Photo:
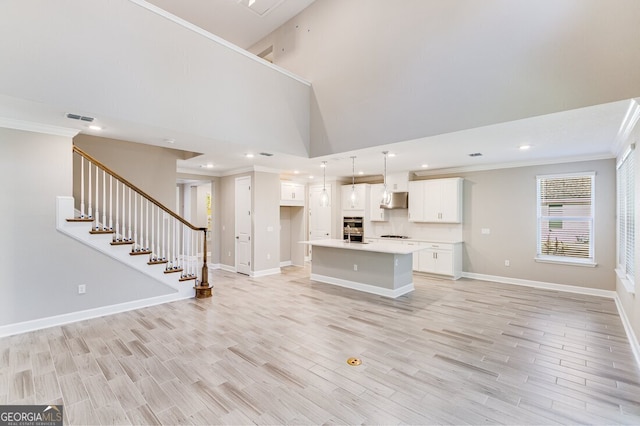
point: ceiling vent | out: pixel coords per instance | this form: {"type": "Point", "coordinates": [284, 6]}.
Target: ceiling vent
{"type": "Point", "coordinates": [80, 117]}
{"type": "Point", "coordinates": [475, 154]}
{"type": "Point", "coordinates": [261, 7]}
{"type": "Point", "coordinates": [266, 154]}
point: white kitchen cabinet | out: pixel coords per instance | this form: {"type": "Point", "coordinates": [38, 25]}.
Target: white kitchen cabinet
{"type": "Point", "coordinates": [376, 214]}
{"type": "Point", "coordinates": [436, 200]}
{"type": "Point", "coordinates": [441, 259]}
{"type": "Point", "coordinates": [416, 201]}
{"type": "Point", "coordinates": [362, 199]}
{"type": "Point", "coordinates": [291, 194]}
{"type": "Point", "coordinates": [416, 254]}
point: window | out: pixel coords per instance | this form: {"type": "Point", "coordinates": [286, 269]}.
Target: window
{"type": "Point", "coordinates": [565, 218]}
{"type": "Point", "coordinates": [625, 179]}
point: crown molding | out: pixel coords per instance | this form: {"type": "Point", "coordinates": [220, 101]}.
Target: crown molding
{"type": "Point", "coordinates": [497, 166]}
{"type": "Point", "coordinates": [29, 126]}
{"type": "Point", "coordinates": [626, 127]}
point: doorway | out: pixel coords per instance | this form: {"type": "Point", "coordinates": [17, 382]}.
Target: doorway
{"type": "Point", "coordinates": [243, 222]}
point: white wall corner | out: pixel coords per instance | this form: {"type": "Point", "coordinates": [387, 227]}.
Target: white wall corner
{"type": "Point", "coordinates": [631, 336]}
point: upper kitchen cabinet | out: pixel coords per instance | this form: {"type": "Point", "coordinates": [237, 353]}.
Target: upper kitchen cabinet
{"type": "Point", "coordinates": [376, 214]}
{"type": "Point", "coordinates": [291, 194]}
{"type": "Point", "coordinates": [361, 201]}
{"type": "Point", "coordinates": [436, 200]}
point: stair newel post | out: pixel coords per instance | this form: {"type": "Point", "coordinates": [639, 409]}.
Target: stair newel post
{"type": "Point", "coordinates": [204, 290]}
{"type": "Point", "coordinates": [82, 187]}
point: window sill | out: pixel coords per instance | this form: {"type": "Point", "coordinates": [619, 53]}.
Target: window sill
{"type": "Point", "coordinates": [628, 285]}
{"type": "Point", "coordinates": [559, 261]}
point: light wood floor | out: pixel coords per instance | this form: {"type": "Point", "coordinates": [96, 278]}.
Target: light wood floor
{"type": "Point", "coordinates": [273, 350]}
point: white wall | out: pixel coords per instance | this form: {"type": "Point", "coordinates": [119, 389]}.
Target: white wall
{"type": "Point", "coordinates": [41, 268]}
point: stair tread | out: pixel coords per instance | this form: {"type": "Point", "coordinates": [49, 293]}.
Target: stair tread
{"type": "Point", "coordinates": [157, 262]}
{"type": "Point", "coordinates": [120, 243]}
{"type": "Point", "coordinates": [138, 253]}
{"type": "Point", "coordinates": [101, 231]}
{"type": "Point", "coordinates": [80, 219]}
{"type": "Point", "coordinates": [171, 271]}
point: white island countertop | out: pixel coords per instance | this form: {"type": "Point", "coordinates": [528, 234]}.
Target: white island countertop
{"type": "Point", "coordinates": [377, 247]}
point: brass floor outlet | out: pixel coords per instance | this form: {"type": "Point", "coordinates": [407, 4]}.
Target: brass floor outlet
{"type": "Point", "coordinates": [354, 361]}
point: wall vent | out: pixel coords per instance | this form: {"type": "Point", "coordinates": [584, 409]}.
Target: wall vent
{"type": "Point", "coordinates": [80, 117]}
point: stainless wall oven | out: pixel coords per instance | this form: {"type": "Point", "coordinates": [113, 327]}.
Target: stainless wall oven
{"type": "Point", "coordinates": [353, 228]}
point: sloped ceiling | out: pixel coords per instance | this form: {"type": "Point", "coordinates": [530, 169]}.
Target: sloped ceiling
{"type": "Point", "coordinates": [431, 80]}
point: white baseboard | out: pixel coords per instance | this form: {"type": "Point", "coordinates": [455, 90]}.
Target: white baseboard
{"type": "Point", "coordinates": [367, 288]}
{"type": "Point", "coordinates": [285, 263]}
{"type": "Point", "coordinates": [227, 268]}
{"type": "Point", "coordinates": [265, 272]}
{"type": "Point", "coordinates": [38, 324]}
{"type": "Point", "coordinates": [610, 294]}
{"type": "Point", "coordinates": [631, 336]}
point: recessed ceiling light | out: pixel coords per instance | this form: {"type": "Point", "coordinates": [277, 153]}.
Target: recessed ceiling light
{"type": "Point", "coordinates": [248, 155]}
{"type": "Point", "coordinates": [310, 176]}
{"type": "Point", "coordinates": [295, 172]}
{"type": "Point", "coordinates": [391, 154]}
{"type": "Point", "coordinates": [524, 147]}
{"type": "Point", "coordinates": [424, 166]}
{"type": "Point", "coordinates": [94, 127]}
{"type": "Point", "coordinates": [323, 165]}
{"type": "Point", "coordinates": [360, 172]}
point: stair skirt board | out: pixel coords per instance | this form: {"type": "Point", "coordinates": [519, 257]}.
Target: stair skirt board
{"type": "Point", "coordinates": [121, 253]}
{"type": "Point", "coordinates": [38, 324]}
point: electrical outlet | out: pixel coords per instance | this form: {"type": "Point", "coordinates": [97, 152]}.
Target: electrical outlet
{"type": "Point", "coordinates": [229, 254]}
{"type": "Point", "coordinates": [485, 231]}
{"type": "Point", "coordinates": [82, 289]}
{"type": "Point", "coordinates": [507, 263]}
{"type": "Point", "coordinates": [355, 267]}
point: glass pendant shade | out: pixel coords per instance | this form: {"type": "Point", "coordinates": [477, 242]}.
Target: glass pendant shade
{"type": "Point", "coordinates": [324, 196]}
{"type": "Point", "coordinates": [386, 195]}
{"type": "Point", "coordinates": [353, 198]}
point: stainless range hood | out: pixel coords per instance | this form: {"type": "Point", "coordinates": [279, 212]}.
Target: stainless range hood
{"type": "Point", "coordinates": [399, 200]}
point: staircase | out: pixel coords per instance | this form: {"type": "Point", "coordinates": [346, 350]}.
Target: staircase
{"type": "Point", "coordinates": [119, 219]}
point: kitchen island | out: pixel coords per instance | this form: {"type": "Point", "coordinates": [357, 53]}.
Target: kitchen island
{"type": "Point", "coordinates": [379, 268]}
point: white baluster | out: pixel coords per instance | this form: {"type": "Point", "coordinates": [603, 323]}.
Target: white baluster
{"type": "Point", "coordinates": [129, 221]}
{"type": "Point", "coordinates": [123, 229]}
{"type": "Point", "coordinates": [153, 240]}
{"type": "Point", "coordinates": [104, 200]}
{"type": "Point", "coordinates": [114, 237]}
{"type": "Point", "coordinates": [81, 187]}
{"type": "Point", "coordinates": [137, 237]}
{"type": "Point", "coordinates": [97, 212]}
{"type": "Point", "coordinates": [146, 224]}
{"type": "Point", "coordinates": [90, 206]}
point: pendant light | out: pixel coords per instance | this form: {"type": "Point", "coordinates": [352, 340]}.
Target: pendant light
{"type": "Point", "coordinates": [386, 195]}
{"type": "Point", "coordinates": [353, 198]}
{"type": "Point", "coordinates": [324, 197]}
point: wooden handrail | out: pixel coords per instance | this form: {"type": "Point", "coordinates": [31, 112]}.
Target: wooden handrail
{"type": "Point", "coordinates": [203, 290]}
{"type": "Point", "coordinates": [135, 188]}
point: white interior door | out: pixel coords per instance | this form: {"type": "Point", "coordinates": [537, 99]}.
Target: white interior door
{"type": "Point", "coordinates": [319, 216]}
{"type": "Point", "coordinates": [243, 224]}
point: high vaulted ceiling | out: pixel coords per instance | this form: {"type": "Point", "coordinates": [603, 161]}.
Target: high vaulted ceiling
{"type": "Point", "coordinates": [429, 80]}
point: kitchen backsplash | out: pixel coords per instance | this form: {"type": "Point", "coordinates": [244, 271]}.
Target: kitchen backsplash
{"type": "Point", "coordinates": [398, 224]}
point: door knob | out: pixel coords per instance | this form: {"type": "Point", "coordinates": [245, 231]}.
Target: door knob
{"type": "Point", "coordinates": [237, 238]}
